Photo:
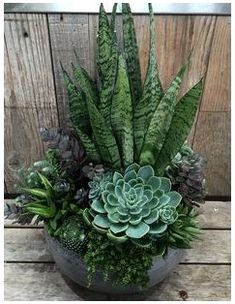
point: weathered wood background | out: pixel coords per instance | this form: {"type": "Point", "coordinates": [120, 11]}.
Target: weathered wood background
{"type": "Point", "coordinates": [35, 94]}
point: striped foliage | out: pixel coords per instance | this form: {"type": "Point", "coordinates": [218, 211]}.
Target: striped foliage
{"type": "Point", "coordinates": [180, 127]}
{"type": "Point", "coordinates": [131, 53]}
{"type": "Point", "coordinates": [104, 137]}
{"type": "Point", "coordinates": [89, 146]}
{"type": "Point", "coordinates": [85, 83]}
{"type": "Point", "coordinates": [160, 122]}
{"type": "Point", "coordinates": [107, 64]}
{"type": "Point", "coordinates": [152, 92]}
{"type": "Point", "coordinates": [121, 114]}
{"type": "Point", "coordinates": [112, 21]}
{"type": "Point", "coordinates": [77, 105]}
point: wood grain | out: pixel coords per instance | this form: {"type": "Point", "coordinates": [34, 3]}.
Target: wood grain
{"type": "Point", "coordinates": [28, 90]}
{"type": "Point", "coordinates": [212, 140]}
{"type": "Point", "coordinates": [28, 245]}
{"type": "Point", "coordinates": [68, 32]}
{"type": "Point", "coordinates": [44, 282]}
{"type": "Point", "coordinates": [217, 94]}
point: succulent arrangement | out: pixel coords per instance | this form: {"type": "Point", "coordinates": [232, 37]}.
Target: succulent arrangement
{"type": "Point", "coordinates": [123, 180]}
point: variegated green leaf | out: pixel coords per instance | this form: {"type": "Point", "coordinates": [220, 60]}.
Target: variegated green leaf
{"type": "Point", "coordinates": [84, 81]}
{"type": "Point", "coordinates": [77, 105]}
{"type": "Point", "coordinates": [121, 114]}
{"type": "Point", "coordinates": [106, 63]}
{"type": "Point", "coordinates": [160, 122]}
{"type": "Point", "coordinates": [89, 146]}
{"type": "Point", "coordinates": [112, 20]}
{"type": "Point", "coordinates": [131, 53]}
{"type": "Point", "coordinates": [104, 138]}
{"type": "Point", "coordinates": [181, 124]}
{"type": "Point", "coordinates": [152, 92]}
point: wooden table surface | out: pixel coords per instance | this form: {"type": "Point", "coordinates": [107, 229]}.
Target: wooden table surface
{"type": "Point", "coordinates": [203, 274]}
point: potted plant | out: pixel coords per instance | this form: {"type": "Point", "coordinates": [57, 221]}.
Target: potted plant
{"type": "Point", "coordinates": [117, 193]}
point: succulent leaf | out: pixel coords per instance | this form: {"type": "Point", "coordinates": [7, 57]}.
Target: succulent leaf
{"type": "Point", "coordinates": [138, 205]}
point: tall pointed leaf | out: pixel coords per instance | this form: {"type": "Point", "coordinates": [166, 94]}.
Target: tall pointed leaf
{"type": "Point", "coordinates": [180, 127]}
{"type": "Point", "coordinates": [121, 114]}
{"type": "Point", "coordinates": [131, 53]}
{"type": "Point", "coordinates": [84, 81]}
{"type": "Point", "coordinates": [104, 138]}
{"type": "Point", "coordinates": [160, 122]}
{"type": "Point", "coordinates": [88, 145]}
{"type": "Point", "coordinates": [152, 92]}
{"type": "Point", "coordinates": [106, 63]}
{"type": "Point", "coordinates": [77, 105]}
{"type": "Point", "coordinates": [113, 19]}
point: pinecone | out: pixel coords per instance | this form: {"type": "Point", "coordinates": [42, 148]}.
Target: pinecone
{"type": "Point", "coordinates": [187, 177]}
{"type": "Point", "coordinates": [70, 150]}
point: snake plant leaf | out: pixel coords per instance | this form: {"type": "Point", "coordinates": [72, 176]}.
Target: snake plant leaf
{"type": "Point", "coordinates": [121, 114]}
{"type": "Point", "coordinates": [131, 53]}
{"type": "Point", "coordinates": [104, 137]}
{"type": "Point", "coordinates": [89, 146]}
{"type": "Point", "coordinates": [152, 91]}
{"type": "Point", "coordinates": [160, 122]}
{"type": "Point", "coordinates": [44, 211]}
{"type": "Point", "coordinates": [180, 127]}
{"type": "Point", "coordinates": [84, 81]}
{"type": "Point", "coordinates": [77, 105]}
{"type": "Point", "coordinates": [112, 20]}
{"type": "Point", "coordinates": [106, 63]}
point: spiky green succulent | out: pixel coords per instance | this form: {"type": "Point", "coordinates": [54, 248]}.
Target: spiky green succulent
{"type": "Point", "coordinates": [122, 121]}
{"type": "Point", "coordinates": [133, 205]}
{"type": "Point", "coordinates": [73, 233]}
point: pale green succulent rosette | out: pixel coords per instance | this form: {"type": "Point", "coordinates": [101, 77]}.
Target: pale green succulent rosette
{"type": "Point", "coordinates": [136, 205]}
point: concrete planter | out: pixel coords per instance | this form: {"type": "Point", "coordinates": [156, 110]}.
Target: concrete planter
{"type": "Point", "coordinates": [71, 265]}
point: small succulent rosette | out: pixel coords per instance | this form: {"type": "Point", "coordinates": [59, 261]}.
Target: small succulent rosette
{"type": "Point", "coordinates": [136, 205]}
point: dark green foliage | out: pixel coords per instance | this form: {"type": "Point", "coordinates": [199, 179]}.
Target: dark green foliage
{"type": "Point", "coordinates": [106, 63]}
{"type": "Point", "coordinates": [127, 269]}
{"type": "Point", "coordinates": [127, 122]}
{"type": "Point", "coordinates": [181, 124]}
{"type": "Point", "coordinates": [121, 115]}
{"type": "Point", "coordinates": [152, 92]}
{"type": "Point", "coordinates": [131, 53]}
{"type": "Point", "coordinates": [73, 234]}
{"type": "Point", "coordinates": [187, 177]}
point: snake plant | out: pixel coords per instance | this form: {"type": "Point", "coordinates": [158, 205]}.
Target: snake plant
{"type": "Point", "coordinates": [122, 121]}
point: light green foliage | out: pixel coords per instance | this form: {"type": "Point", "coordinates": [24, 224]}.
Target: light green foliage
{"type": "Point", "coordinates": [121, 115]}
{"type": "Point", "coordinates": [185, 229]}
{"type": "Point", "coordinates": [49, 202]}
{"type": "Point", "coordinates": [114, 262]}
{"type": "Point", "coordinates": [134, 205]}
{"type": "Point", "coordinates": [123, 121]}
{"type": "Point", "coordinates": [131, 53]}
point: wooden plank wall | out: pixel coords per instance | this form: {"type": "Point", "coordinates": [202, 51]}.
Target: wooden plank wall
{"type": "Point", "coordinates": [35, 94]}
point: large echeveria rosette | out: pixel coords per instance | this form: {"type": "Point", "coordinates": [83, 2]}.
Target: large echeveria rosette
{"type": "Point", "coordinates": [136, 205]}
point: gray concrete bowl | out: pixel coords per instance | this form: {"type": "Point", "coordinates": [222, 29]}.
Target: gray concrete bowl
{"type": "Point", "coordinates": [72, 266]}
